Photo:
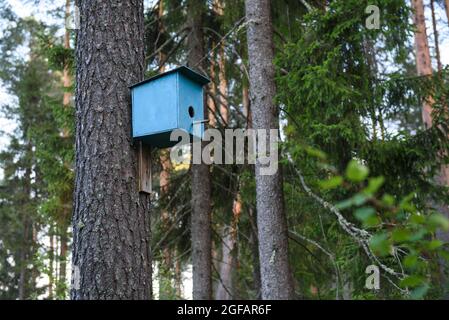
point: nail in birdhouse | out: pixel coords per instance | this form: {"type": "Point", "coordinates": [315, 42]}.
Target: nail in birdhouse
{"type": "Point", "coordinates": [169, 101]}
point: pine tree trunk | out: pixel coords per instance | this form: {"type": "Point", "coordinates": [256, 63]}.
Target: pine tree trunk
{"type": "Point", "coordinates": [201, 210]}
{"type": "Point", "coordinates": [27, 224]}
{"type": "Point", "coordinates": [446, 6]}
{"type": "Point", "coordinates": [64, 220]}
{"type": "Point", "coordinates": [225, 288]}
{"type": "Point", "coordinates": [178, 277]}
{"type": "Point", "coordinates": [423, 62]}
{"type": "Point", "coordinates": [66, 72]}
{"type": "Point", "coordinates": [436, 36]}
{"type": "Point", "coordinates": [218, 8]}
{"type": "Point", "coordinates": [212, 92]}
{"type": "Point", "coordinates": [164, 182]}
{"type": "Point", "coordinates": [424, 68]}
{"type": "Point", "coordinates": [23, 263]}
{"type": "Point", "coordinates": [111, 222]}
{"type": "Point", "coordinates": [51, 259]}
{"type": "Point", "coordinates": [223, 85]}
{"type": "Point", "coordinates": [63, 262]}
{"type": "Point", "coordinates": [226, 265]}
{"type": "Point", "coordinates": [255, 254]}
{"type": "Point", "coordinates": [271, 219]}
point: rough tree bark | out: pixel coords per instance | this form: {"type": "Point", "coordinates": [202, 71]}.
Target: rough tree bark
{"type": "Point", "coordinates": [111, 222]}
{"type": "Point", "coordinates": [271, 219]}
{"type": "Point", "coordinates": [201, 186]}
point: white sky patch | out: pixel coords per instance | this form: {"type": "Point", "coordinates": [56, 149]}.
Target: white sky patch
{"type": "Point", "coordinates": [6, 125]}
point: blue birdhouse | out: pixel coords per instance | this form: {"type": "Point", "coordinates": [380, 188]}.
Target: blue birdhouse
{"type": "Point", "coordinates": [169, 101]}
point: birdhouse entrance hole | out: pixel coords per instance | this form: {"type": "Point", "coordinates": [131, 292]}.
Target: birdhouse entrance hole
{"type": "Point", "coordinates": [191, 112]}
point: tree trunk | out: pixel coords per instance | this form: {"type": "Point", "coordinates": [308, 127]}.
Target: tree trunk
{"type": "Point", "coordinates": [51, 258]}
{"type": "Point", "coordinates": [64, 220]}
{"type": "Point", "coordinates": [423, 62]}
{"type": "Point", "coordinates": [223, 87]}
{"type": "Point", "coordinates": [218, 8]}
{"type": "Point", "coordinates": [63, 262]}
{"type": "Point", "coordinates": [212, 92]}
{"type": "Point", "coordinates": [178, 278]}
{"type": "Point", "coordinates": [228, 264]}
{"type": "Point", "coordinates": [23, 263]}
{"type": "Point", "coordinates": [255, 254]}
{"type": "Point", "coordinates": [111, 222]}
{"type": "Point", "coordinates": [201, 210]}
{"type": "Point", "coordinates": [66, 72]}
{"type": "Point", "coordinates": [436, 36]}
{"type": "Point", "coordinates": [165, 287]}
{"type": "Point", "coordinates": [27, 223]}
{"type": "Point", "coordinates": [424, 68]}
{"type": "Point", "coordinates": [271, 219]}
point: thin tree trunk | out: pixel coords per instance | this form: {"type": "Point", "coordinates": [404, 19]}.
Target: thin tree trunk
{"type": "Point", "coordinates": [63, 261]}
{"type": "Point", "coordinates": [111, 222]}
{"type": "Point", "coordinates": [218, 8]}
{"type": "Point", "coordinates": [166, 264]}
{"type": "Point", "coordinates": [23, 264]}
{"type": "Point", "coordinates": [423, 62]}
{"type": "Point", "coordinates": [255, 254]}
{"type": "Point", "coordinates": [178, 278]}
{"type": "Point", "coordinates": [225, 289]}
{"type": "Point", "coordinates": [424, 68]}
{"type": "Point", "coordinates": [201, 187]}
{"type": "Point", "coordinates": [66, 79]}
{"type": "Point", "coordinates": [271, 219]}
{"type": "Point", "coordinates": [212, 93]}
{"type": "Point", "coordinates": [223, 87]}
{"type": "Point", "coordinates": [66, 202]}
{"type": "Point", "coordinates": [51, 262]}
{"type": "Point", "coordinates": [27, 242]}
{"type": "Point", "coordinates": [164, 181]}
{"type": "Point", "coordinates": [436, 36]}
{"type": "Point", "coordinates": [226, 265]}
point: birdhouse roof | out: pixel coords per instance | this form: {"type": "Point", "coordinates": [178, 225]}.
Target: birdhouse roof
{"type": "Point", "coordinates": [189, 73]}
